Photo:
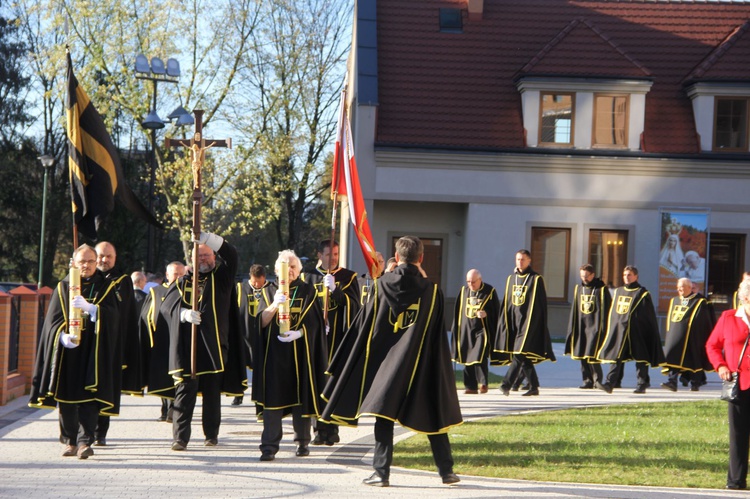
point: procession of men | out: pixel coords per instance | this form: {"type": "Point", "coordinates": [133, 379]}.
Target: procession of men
{"type": "Point", "coordinates": [336, 357]}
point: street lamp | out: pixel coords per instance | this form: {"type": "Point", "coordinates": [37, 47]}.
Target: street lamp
{"type": "Point", "coordinates": [47, 162]}
{"type": "Point", "coordinates": [155, 72]}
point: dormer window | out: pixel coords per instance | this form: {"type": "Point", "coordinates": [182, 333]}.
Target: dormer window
{"type": "Point", "coordinates": [730, 129]}
{"type": "Point", "coordinates": [611, 120]}
{"type": "Point", "coordinates": [556, 120]}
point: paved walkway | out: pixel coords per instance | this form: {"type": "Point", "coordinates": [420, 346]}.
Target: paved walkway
{"type": "Point", "coordinates": [139, 463]}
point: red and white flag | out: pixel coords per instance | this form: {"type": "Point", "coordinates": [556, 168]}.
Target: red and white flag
{"type": "Point", "coordinates": [345, 184]}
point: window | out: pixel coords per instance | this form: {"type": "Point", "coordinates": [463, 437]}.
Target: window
{"type": "Point", "coordinates": [556, 124]}
{"type": "Point", "coordinates": [608, 253]}
{"type": "Point", "coordinates": [550, 256]}
{"type": "Point", "coordinates": [451, 21]}
{"type": "Point", "coordinates": [730, 128]}
{"type": "Point", "coordinates": [611, 120]}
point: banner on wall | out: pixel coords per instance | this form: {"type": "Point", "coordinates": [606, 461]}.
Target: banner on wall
{"type": "Point", "coordinates": [684, 251]}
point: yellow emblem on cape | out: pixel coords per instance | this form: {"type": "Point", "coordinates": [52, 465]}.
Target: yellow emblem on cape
{"type": "Point", "coordinates": [473, 304]}
{"type": "Point", "coordinates": [678, 313]}
{"type": "Point", "coordinates": [519, 294]}
{"type": "Point", "coordinates": [320, 289]}
{"type": "Point", "coordinates": [407, 318]}
{"type": "Point", "coordinates": [252, 305]}
{"type": "Point", "coordinates": [587, 304]}
{"type": "Point", "coordinates": [623, 304]}
{"type": "Point", "coordinates": [295, 312]}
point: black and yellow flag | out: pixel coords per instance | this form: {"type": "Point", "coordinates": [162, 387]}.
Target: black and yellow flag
{"type": "Point", "coordinates": [95, 173]}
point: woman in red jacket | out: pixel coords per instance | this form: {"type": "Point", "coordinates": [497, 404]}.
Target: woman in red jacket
{"type": "Point", "coordinates": [724, 348]}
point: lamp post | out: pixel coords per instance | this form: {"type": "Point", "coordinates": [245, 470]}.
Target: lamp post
{"type": "Point", "coordinates": [47, 162]}
{"type": "Point", "coordinates": [155, 72]}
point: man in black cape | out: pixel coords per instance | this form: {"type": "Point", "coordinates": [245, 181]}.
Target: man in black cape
{"type": "Point", "coordinates": [522, 326]}
{"type": "Point", "coordinates": [154, 327]}
{"type": "Point", "coordinates": [255, 294]}
{"type": "Point", "coordinates": [632, 333]}
{"type": "Point", "coordinates": [219, 356]}
{"type": "Point", "coordinates": [394, 364]}
{"type": "Point", "coordinates": [339, 287]}
{"type": "Point", "coordinates": [288, 369]}
{"type": "Point", "coordinates": [689, 324]}
{"type": "Point", "coordinates": [78, 378]}
{"type": "Point", "coordinates": [587, 326]}
{"type": "Point", "coordinates": [129, 374]}
{"type": "Point", "coordinates": [474, 324]}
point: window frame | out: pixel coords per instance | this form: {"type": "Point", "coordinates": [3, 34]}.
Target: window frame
{"type": "Point", "coordinates": [553, 93]}
{"type": "Point", "coordinates": [594, 144]}
{"type": "Point", "coordinates": [568, 231]}
{"type": "Point", "coordinates": [717, 99]}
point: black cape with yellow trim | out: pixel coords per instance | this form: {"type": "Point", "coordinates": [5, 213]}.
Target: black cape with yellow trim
{"type": "Point", "coordinates": [84, 373]}
{"type": "Point", "coordinates": [291, 374]}
{"type": "Point", "coordinates": [472, 337]}
{"type": "Point", "coordinates": [132, 379]}
{"type": "Point", "coordinates": [395, 360]}
{"type": "Point", "coordinates": [252, 302]}
{"type": "Point", "coordinates": [154, 326]}
{"type": "Point", "coordinates": [343, 303]}
{"type": "Point", "coordinates": [688, 329]}
{"type": "Point", "coordinates": [588, 320]}
{"type": "Point", "coordinates": [219, 344]}
{"type": "Point", "coordinates": [632, 329]}
{"type": "Point", "coordinates": [522, 325]}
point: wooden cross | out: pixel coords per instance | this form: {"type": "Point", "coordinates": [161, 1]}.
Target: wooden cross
{"type": "Point", "coordinates": [197, 145]}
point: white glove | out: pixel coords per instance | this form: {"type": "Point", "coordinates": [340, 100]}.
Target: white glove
{"type": "Point", "coordinates": [67, 340]}
{"type": "Point", "coordinates": [279, 298]}
{"type": "Point", "coordinates": [211, 240]}
{"type": "Point", "coordinates": [290, 336]}
{"type": "Point", "coordinates": [86, 307]}
{"type": "Point", "coordinates": [191, 316]}
{"type": "Point", "coordinates": [330, 282]}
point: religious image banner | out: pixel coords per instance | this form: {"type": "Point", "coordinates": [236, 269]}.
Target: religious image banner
{"type": "Point", "coordinates": [683, 253]}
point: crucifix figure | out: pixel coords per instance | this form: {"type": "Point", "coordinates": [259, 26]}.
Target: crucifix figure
{"type": "Point", "coordinates": [197, 145]}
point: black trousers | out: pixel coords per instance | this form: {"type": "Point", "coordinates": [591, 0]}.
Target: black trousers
{"type": "Point", "coordinates": [739, 440]}
{"type": "Point", "coordinates": [521, 363]}
{"type": "Point", "coordinates": [591, 372]}
{"type": "Point", "coordinates": [381, 461]}
{"type": "Point", "coordinates": [272, 430]}
{"type": "Point", "coordinates": [476, 375]}
{"type": "Point", "coordinates": [166, 409]}
{"type": "Point", "coordinates": [325, 430]}
{"type": "Point", "coordinates": [614, 376]}
{"type": "Point", "coordinates": [78, 422]}
{"type": "Point", "coordinates": [102, 427]}
{"type": "Point", "coordinates": [184, 405]}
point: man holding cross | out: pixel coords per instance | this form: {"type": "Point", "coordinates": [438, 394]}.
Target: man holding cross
{"type": "Point", "coordinates": [213, 318]}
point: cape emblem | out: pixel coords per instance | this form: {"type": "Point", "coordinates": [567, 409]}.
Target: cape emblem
{"type": "Point", "coordinates": [678, 313]}
{"type": "Point", "coordinates": [519, 294]}
{"type": "Point", "coordinates": [587, 304]}
{"type": "Point", "coordinates": [623, 304]}
{"type": "Point", "coordinates": [473, 305]}
{"type": "Point", "coordinates": [405, 319]}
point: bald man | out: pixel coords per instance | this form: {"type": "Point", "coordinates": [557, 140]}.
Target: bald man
{"type": "Point", "coordinates": [129, 379]}
{"type": "Point", "coordinates": [474, 321]}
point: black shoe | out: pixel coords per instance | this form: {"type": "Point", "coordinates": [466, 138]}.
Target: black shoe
{"type": "Point", "coordinates": [684, 380]}
{"type": "Point", "coordinates": [267, 456]}
{"type": "Point", "coordinates": [604, 386]}
{"type": "Point", "coordinates": [332, 439]}
{"type": "Point", "coordinates": [211, 442]}
{"type": "Point", "coordinates": [532, 391]}
{"type": "Point", "coordinates": [237, 400]}
{"type": "Point", "coordinates": [319, 439]}
{"type": "Point", "coordinates": [515, 388]}
{"type": "Point", "coordinates": [302, 451]}
{"type": "Point", "coordinates": [670, 385]}
{"type": "Point", "coordinates": [640, 389]}
{"type": "Point", "coordinates": [526, 387]}
{"type": "Point", "coordinates": [100, 443]}
{"type": "Point", "coordinates": [505, 390]}
{"type": "Point", "coordinates": [376, 480]}
{"type": "Point", "coordinates": [450, 479]}
{"type": "Point", "coordinates": [587, 385]}
{"type": "Point", "coordinates": [179, 445]}
{"type": "Point", "coordinates": [162, 418]}
{"type": "Point", "coordinates": [694, 388]}
{"type": "Point", "coordinates": [736, 487]}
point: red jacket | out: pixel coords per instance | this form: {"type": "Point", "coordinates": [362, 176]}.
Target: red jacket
{"type": "Point", "coordinates": [729, 336]}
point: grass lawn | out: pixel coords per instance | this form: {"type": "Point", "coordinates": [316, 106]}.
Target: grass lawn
{"type": "Point", "coordinates": [494, 380]}
{"type": "Point", "coordinates": [681, 444]}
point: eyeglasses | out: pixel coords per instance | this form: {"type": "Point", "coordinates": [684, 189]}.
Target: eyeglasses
{"type": "Point", "coordinates": [86, 262]}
